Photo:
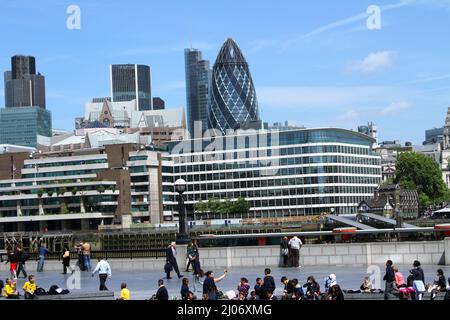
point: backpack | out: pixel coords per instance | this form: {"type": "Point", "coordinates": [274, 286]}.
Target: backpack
{"type": "Point", "coordinates": [52, 290]}
{"type": "Point", "coordinates": [40, 292]}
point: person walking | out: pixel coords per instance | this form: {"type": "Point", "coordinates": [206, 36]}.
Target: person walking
{"type": "Point", "coordinates": [162, 293]}
{"type": "Point", "coordinates": [66, 261]}
{"type": "Point", "coordinates": [171, 258]}
{"type": "Point", "coordinates": [389, 277]}
{"type": "Point", "coordinates": [104, 271]}
{"type": "Point", "coordinates": [87, 255]}
{"type": "Point", "coordinates": [295, 244]}
{"type": "Point", "coordinates": [22, 258]}
{"type": "Point", "coordinates": [42, 251]}
{"type": "Point", "coordinates": [284, 247]}
{"type": "Point", "coordinates": [13, 260]}
{"type": "Point", "coordinates": [189, 254]}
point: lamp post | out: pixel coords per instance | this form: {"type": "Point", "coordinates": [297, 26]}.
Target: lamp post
{"type": "Point", "coordinates": [180, 188]}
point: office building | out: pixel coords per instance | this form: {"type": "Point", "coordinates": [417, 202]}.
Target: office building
{"type": "Point", "coordinates": [131, 82]}
{"type": "Point", "coordinates": [22, 125]}
{"type": "Point", "coordinates": [433, 136]}
{"type": "Point", "coordinates": [158, 103]}
{"type": "Point", "coordinates": [197, 88]}
{"type": "Point", "coordinates": [232, 94]}
{"type": "Point", "coordinates": [281, 173]}
{"type": "Point", "coordinates": [23, 87]}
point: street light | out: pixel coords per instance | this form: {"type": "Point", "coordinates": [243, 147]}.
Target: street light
{"type": "Point", "coordinates": [180, 188]}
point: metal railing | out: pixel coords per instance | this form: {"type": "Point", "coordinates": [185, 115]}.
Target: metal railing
{"type": "Point", "coordinates": [107, 254]}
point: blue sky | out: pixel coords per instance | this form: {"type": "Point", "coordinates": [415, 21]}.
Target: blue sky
{"type": "Point", "coordinates": [312, 62]}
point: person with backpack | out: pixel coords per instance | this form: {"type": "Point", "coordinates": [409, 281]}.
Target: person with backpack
{"type": "Point", "coordinates": [268, 285]}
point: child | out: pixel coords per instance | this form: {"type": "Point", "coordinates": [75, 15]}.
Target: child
{"type": "Point", "coordinates": [30, 287]}
{"type": "Point", "coordinates": [10, 292]}
{"type": "Point", "coordinates": [366, 286]}
{"type": "Point", "coordinates": [124, 292]}
{"type": "Point", "coordinates": [243, 287]}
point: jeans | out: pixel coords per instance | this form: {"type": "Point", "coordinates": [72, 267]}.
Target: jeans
{"type": "Point", "coordinates": [87, 262]}
{"type": "Point", "coordinates": [388, 290]}
{"type": "Point", "coordinates": [103, 278]}
{"type": "Point", "coordinates": [40, 265]}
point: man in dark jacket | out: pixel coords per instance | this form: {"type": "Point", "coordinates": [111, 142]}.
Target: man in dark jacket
{"type": "Point", "coordinates": [171, 258]}
{"type": "Point", "coordinates": [162, 293]}
{"type": "Point", "coordinates": [389, 277]}
{"type": "Point", "coordinates": [268, 285]}
{"type": "Point", "coordinates": [23, 257]}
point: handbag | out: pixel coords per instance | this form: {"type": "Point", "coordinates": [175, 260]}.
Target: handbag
{"type": "Point", "coordinates": [168, 267]}
{"type": "Point", "coordinates": [419, 286]}
{"type": "Point", "coordinates": [285, 252]}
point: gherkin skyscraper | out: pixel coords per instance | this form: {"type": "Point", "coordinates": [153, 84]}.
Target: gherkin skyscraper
{"type": "Point", "coordinates": [233, 102]}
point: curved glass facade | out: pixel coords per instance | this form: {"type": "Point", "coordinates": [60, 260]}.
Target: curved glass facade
{"type": "Point", "coordinates": [298, 172]}
{"type": "Point", "coordinates": [232, 94]}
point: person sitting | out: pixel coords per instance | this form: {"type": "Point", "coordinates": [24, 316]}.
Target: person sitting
{"type": "Point", "coordinates": [243, 287]}
{"type": "Point", "coordinates": [124, 292]}
{"type": "Point", "coordinates": [288, 288]}
{"type": "Point", "coordinates": [366, 286]}
{"type": "Point", "coordinates": [184, 288]}
{"type": "Point", "coordinates": [253, 296]}
{"type": "Point", "coordinates": [329, 283]}
{"type": "Point", "coordinates": [336, 293]}
{"type": "Point", "coordinates": [190, 296]}
{"type": "Point", "coordinates": [9, 291]}
{"type": "Point", "coordinates": [242, 296]}
{"type": "Point", "coordinates": [438, 285]}
{"type": "Point", "coordinates": [30, 287]}
{"type": "Point", "coordinates": [258, 288]}
{"type": "Point", "coordinates": [271, 296]}
{"type": "Point", "coordinates": [312, 289]}
{"type": "Point", "coordinates": [298, 290]}
{"type": "Point", "coordinates": [162, 293]}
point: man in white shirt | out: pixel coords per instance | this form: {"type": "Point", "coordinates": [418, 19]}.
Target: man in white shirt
{"type": "Point", "coordinates": [295, 244]}
{"type": "Point", "coordinates": [104, 271]}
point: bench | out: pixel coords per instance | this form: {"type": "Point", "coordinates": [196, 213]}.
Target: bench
{"type": "Point", "coordinates": [95, 295]}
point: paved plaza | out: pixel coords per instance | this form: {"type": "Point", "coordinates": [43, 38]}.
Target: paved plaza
{"type": "Point", "coordinates": [144, 284]}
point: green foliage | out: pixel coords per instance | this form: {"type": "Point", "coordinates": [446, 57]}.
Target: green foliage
{"type": "Point", "coordinates": [50, 193]}
{"type": "Point", "coordinates": [74, 191]}
{"type": "Point", "coordinates": [224, 208]}
{"type": "Point", "coordinates": [418, 172]}
{"type": "Point", "coordinates": [40, 192]}
{"type": "Point", "coordinates": [62, 190]}
{"type": "Point", "coordinates": [64, 208]}
{"type": "Point", "coordinates": [100, 189]}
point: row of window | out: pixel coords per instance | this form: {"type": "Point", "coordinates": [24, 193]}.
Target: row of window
{"type": "Point", "coordinates": [269, 152]}
{"type": "Point", "coordinates": [63, 164]}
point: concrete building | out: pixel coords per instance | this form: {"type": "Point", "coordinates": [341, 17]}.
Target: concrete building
{"type": "Point", "coordinates": [435, 135]}
{"type": "Point", "coordinates": [80, 190]}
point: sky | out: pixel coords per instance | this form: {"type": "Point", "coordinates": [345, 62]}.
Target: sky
{"type": "Point", "coordinates": [316, 63]}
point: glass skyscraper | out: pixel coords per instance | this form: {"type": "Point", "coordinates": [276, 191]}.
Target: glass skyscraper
{"type": "Point", "coordinates": [197, 88]}
{"type": "Point", "coordinates": [21, 125]}
{"type": "Point", "coordinates": [23, 87]}
{"type": "Point", "coordinates": [131, 81]}
{"type": "Point", "coordinates": [233, 102]}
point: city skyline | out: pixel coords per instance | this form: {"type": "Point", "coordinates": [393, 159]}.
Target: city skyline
{"type": "Point", "coordinates": [317, 67]}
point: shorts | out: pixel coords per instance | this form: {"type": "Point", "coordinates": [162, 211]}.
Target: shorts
{"type": "Point", "coordinates": [13, 266]}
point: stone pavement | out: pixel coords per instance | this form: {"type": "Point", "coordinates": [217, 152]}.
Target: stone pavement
{"type": "Point", "coordinates": [144, 284]}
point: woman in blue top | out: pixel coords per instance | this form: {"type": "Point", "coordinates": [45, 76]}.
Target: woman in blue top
{"type": "Point", "coordinates": [209, 285]}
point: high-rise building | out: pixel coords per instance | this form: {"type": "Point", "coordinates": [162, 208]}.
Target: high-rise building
{"type": "Point", "coordinates": [25, 116]}
{"type": "Point", "coordinates": [197, 88]}
{"type": "Point", "coordinates": [233, 102]}
{"type": "Point", "coordinates": [158, 103]}
{"type": "Point", "coordinates": [131, 81]}
{"type": "Point", "coordinates": [23, 87]}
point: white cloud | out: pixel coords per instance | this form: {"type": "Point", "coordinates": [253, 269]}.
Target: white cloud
{"type": "Point", "coordinates": [394, 108]}
{"type": "Point", "coordinates": [374, 62]}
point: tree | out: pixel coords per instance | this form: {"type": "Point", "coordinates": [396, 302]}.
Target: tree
{"type": "Point", "coordinates": [40, 193]}
{"type": "Point", "coordinates": [74, 191]}
{"type": "Point", "coordinates": [418, 172]}
{"type": "Point", "coordinates": [241, 206]}
{"type": "Point", "coordinates": [100, 189]}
